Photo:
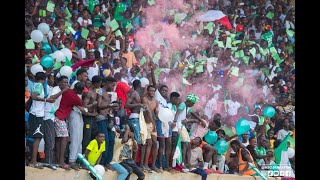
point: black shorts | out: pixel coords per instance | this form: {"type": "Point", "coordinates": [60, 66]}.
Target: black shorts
{"type": "Point", "coordinates": [35, 126]}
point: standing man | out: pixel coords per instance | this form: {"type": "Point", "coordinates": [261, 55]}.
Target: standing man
{"type": "Point", "coordinates": [150, 116]}
{"type": "Point", "coordinates": [164, 139]}
{"type": "Point", "coordinates": [105, 107]}
{"type": "Point", "coordinates": [134, 104]}
{"type": "Point", "coordinates": [90, 101]}
{"type": "Point", "coordinates": [36, 116]}
{"type": "Point", "coordinates": [69, 99]}
{"type": "Point", "coordinates": [48, 123]}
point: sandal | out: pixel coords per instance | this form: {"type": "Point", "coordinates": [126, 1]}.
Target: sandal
{"type": "Point", "coordinates": [147, 169]}
{"type": "Point", "coordinates": [65, 166]}
{"type": "Point", "coordinates": [170, 170]}
{"type": "Point", "coordinates": [37, 165]}
{"type": "Point", "coordinates": [157, 170]}
{"type": "Point", "coordinates": [74, 166]}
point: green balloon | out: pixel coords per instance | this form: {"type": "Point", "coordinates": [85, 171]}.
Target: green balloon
{"type": "Point", "coordinates": [47, 61]}
{"type": "Point", "coordinates": [269, 111]}
{"type": "Point", "coordinates": [222, 146]}
{"type": "Point", "coordinates": [211, 137]}
{"type": "Point", "coordinates": [242, 126]}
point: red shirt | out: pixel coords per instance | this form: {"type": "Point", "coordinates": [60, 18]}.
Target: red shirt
{"type": "Point", "coordinates": [68, 100]}
{"type": "Point", "coordinates": [122, 89]}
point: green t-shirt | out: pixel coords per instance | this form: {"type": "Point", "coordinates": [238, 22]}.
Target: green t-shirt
{"type": "Point", "coordinates": [120, 8]}
{"type": "Point", "coordinates": [97, 20]}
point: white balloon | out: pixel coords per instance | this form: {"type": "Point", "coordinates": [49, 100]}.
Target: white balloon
{"type": "Point", "coordinates": [66, 71]}
{"type": "Point", "coordinates": [67, 53]}
{"type": "Point", "coordinates": [99, 169]}
{"type": "Point", "coordinates": [290, 152]}
{"type": "Point", "coordinates": [36, 68]}
{"type": "Point", "coordinates": [50, 34]}
{"type": "Point", "coordinates": [144, 82]}
{"type": "Point", "coordinates": [59, 56]}
{"type": "Point", "coordinates": [44, 28]}
{"type": "Point", "coordinates": [165, 114]}
{"type": "Point", "coordinates": [36, 36]}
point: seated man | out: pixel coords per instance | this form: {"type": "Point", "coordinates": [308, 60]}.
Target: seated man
{"type": "Point", "coordinates": [244, 158]}
{"type": "Point", "coordinates": [196, 160]}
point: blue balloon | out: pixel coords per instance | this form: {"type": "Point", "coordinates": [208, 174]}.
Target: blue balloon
{"type": "Point", "coordinates": [222, 146]}
{"type": "Point", "coordinates": [242, 126]}
{"type": "Point", "coordinates": [211, 137]}
{"type": "Point", "coordinates": [269, 111]}
{"type": "Point", "coordinates": [47, 61]}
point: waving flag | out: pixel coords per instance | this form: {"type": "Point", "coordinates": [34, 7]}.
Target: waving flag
{"type": "Point", "coordinates": [216, 16]}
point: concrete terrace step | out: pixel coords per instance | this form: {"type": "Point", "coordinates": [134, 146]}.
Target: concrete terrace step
{"type": "Point", "coordinates": [61, 174]}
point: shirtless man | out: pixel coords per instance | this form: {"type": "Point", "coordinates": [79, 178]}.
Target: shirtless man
{"type": "Point", "coordinates": [104, 107]}
{"type": "Point", "coordinates": [150, 116]}
{"type": "Point", "coordinates": [90, 102]}
{"type": "Point", "coordinates": [134, 104]}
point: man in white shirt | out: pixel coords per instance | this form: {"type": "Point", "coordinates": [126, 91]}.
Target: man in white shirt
{"type": "Point", "coordinates": [48, 120]}
{"type": "Point", "coordinates": [285, 131]}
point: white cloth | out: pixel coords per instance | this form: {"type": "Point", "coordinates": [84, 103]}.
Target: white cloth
{"type": "Point", "coordinates": [162, 104]}
{"type": "Point", "coordinates": [143, 127]}
{"type": "Point", "coordinates": [93, 71]}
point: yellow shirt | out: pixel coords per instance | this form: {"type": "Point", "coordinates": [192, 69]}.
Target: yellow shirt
{"type": "Point", "coordinates": [94, 153]}
{"type": "Point", "coordinates": [131, 59]}
{"type": "Point", "coordinates": [272, 143]}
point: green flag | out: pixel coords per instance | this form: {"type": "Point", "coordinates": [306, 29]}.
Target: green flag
{"type": "Point", "coordinates": [68, 62]}
{"type": "Point", "coordinates": [118, 33]}
{"type": "Point", "coordinates": [30, 44]}
{"type": "Point", "coordinates": [184, 81]}
{"type": "Point", "coordinates": [210, 27]}
{"type": "Point", "coordinates": [50, 6]}
{"type": "Point", "coordinates": [84, 33]}
{"type": "Point", "coordinates": [270, 15]}
{"type": "Point", "coordinates": [290, 32]}
{"type": "Point", "coordinates": [228, 42]}
{"type": "Point", "coordinates": [129, 27]}
{"type": "Point", "coordinates": [156, 57]}
{"type": "Point", "coordinates": [253, 52]}
{"type": "Point", "coordinates": [143, 60]}
{"type": "Point", "coordinates": [102, 38]}
{"type": "Point", "coordinates": [67, 13]}
{"type": "Point", "coordinates": [151, 2]}
{"type": "Point", "coordinates": [282, 148]}
{"type": "Point", "coordinates": [72, 30]}
{"type": "Point", "coordinates": [114, 25]}
{"type": "Point", "coordinates": [57, 65]}
{"type": "Point", "coordinates": [246, 59]}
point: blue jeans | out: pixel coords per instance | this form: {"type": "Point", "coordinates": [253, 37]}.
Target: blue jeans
{"type": "Point", "coordinates": [134, 124]}
{"type": "Point", "coordinates": [201, 172]}
{"type": "Point", "coordinates": [110, 146]}
{"type": "Point", "coordinates": [102, 126]}
{"type": "Point", "coordinates": [123, 173]}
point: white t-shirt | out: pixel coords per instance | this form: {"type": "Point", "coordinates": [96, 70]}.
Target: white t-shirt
{"type": "Point", "coordinates": [282, 134]}
{"type": "Point", "coordinates": [82, 53]}
{"type": "Point", "coordinates": [182, 116]}
{"type": "Point", "coordinates": [162, 101]}
{"type": "Point", "coordinates": [233, 107]}
{"type": "Point", "coordinates": [210, 107]}
{"type": "Point", "coordinates": [37, 107]}
{"type": "Point", "coordinates": [56, 90]}
{"type": "Point", "coordinates": [50, 108]}
{"type": "Point", "coordinates": [83, 22]}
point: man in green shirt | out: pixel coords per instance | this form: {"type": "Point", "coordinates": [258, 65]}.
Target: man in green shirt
{"type": "Point", "coordinates": [98, 18]}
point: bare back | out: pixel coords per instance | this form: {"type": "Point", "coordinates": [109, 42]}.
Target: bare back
{"type": "Point", "coordinates": [89, 99]}
{"type": "Point", "coordinates": [105, 100]}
